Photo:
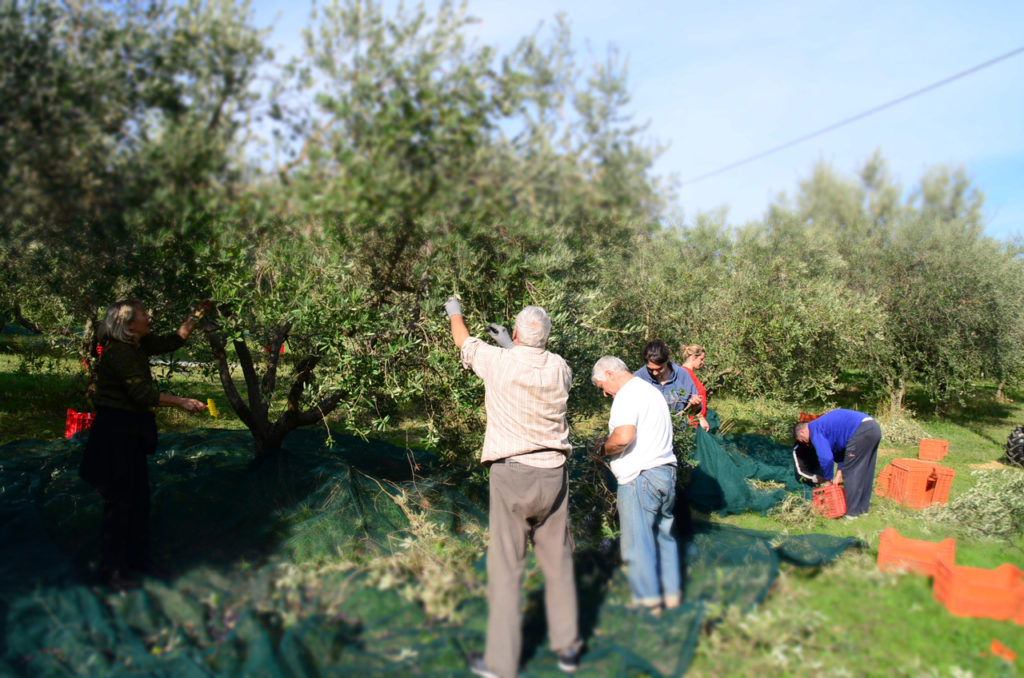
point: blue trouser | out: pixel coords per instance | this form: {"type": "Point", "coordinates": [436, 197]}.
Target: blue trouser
{"type": "Point", "coordinates": [648, 544]}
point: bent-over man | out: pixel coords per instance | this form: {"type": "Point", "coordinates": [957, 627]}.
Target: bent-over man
{"type": "Point", "coordinates": [846, 443]}
{"type": "Point", "coordinates": [644, 464]}
{"type": "Point", "coordinates": [526, 389]}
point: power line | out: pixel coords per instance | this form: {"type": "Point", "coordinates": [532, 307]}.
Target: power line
{"type": "Point", "coordinates": [847, 121]}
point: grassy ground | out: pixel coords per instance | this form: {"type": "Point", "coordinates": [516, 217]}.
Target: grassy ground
{"type": "Point", "coordinates": [34, 403]}
{"type": "Point", "coordinates": [848, 619]}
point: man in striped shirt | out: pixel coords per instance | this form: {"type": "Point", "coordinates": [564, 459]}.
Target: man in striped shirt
{"type": "Point", "coordinates": [526, 389]}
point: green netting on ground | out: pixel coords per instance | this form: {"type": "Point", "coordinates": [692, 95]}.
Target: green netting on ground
{"type": "Point", "coordinates": [9, 328]}
{"type": "Point", "coordinates": [726, 464]}
{"type": "Point", "coordinates": [262, 581]}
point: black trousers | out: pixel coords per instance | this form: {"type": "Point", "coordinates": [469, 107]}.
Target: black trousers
{"type": "Point", "coordinates": [859, 467]}
{"type": "Point", "coordinates": [124, 532]}
{"type": "Point", "coordinates": [115, 462]}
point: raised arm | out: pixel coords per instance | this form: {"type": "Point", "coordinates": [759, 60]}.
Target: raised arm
{"type": "Point", "coordinates": [459, 331]}
{"type": "Point", "coordinates": [190, 323]}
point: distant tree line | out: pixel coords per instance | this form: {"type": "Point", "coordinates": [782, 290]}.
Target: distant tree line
{"type": "Point", "coordinates": [331, 202]}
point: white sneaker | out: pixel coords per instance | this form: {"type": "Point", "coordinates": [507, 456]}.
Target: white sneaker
{"type": "Point", "coordinates": [478, 666]}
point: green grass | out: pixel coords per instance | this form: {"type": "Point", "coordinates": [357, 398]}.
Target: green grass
{"type": "Point", "coordinates": [847, 619]}
{"type": "Point", "coordinates": [850, 619]}
{"type": "Point", "coordinates": [34, 403]}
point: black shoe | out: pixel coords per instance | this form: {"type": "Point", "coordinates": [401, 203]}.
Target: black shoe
{"type": "Point", "coordinates": [569, 661]}
{"type": "Point", "coordinates": [478, 666]}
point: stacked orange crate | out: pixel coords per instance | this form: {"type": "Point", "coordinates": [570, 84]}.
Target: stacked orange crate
{"type": "Point", "coordinates": [900, 553]}
{"type": "Point", "coordinates": [884, 478]}
{"type": "Point", "coordinates": [943, 481]}
{"type": "Point", "coordinates": [914, 483]}
{"type": "Point", "coordinates": [909, 479]}
{"type": "Point", "coordinates": [976, 592]}
{"type": "Point", "coordinates": [930, 449]}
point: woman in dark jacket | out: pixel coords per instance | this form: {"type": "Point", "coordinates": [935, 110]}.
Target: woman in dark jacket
{"type": "Point", "coordinates": [124, 434]}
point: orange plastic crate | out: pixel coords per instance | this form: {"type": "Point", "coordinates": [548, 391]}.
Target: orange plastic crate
{"type": "Point", "coordinates": [913, 555]}
{"type": "Point", "coordinates": [77, 421]}
{"type": "Point", "coordinates": [882, 483]}
{"type": "Point", "coordinates": [943, 481]}
{"type": "Point", "coordinates": [918, 484]}
{"type": "Point", "coordinates": [829, 500]}
{"type": "Point", "coordinates": [930, 449]}
{"type": "Point", "coordinates": [904, 476]}
{"type": "Point", "coordinates": [807, 417]}
{"type": "Point", "coordinates": [1003, 652]}
{"type": "Point", "coordinates": [977, 592]}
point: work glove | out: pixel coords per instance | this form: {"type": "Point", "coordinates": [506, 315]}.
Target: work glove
{"type": "Point", "coordinates": [500, 335]}
{"type": "Point", "coordinates": [452, 307]}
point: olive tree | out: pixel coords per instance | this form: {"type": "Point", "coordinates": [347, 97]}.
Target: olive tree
{"type": "Point", "coordinates": [119, 119]}
{"type": "Point", "coordinates": [949, 296]}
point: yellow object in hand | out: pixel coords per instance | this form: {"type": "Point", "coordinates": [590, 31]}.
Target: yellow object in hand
{"type": "Point", "coordinates": [212, 407]}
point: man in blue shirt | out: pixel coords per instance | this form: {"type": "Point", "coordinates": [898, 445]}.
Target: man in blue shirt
{"type": "Point", "coordinates": [671, 379]}
{"type": "Point", "coordinates": [849, 440]}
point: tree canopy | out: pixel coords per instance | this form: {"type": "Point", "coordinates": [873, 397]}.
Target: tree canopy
{"type": "Point", "coordinates": [412, 163]}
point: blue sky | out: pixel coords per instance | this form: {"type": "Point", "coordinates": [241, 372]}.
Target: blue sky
{"type": "Point", "coordinates": [721, 81]}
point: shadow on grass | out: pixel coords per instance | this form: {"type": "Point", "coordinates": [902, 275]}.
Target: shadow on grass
{"type": "Point", "coordinates": [594, 569]}
{"type": "Point", "coordinates": [982, 414]}
{"type": "Point", "coordinates": [593, 572]}
{"type": "Point", "coordinates": [259, 557]}
{"type": "Point", "coordinates": [211, 504]}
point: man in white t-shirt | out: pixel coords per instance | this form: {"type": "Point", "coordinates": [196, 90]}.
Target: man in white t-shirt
{"type": "Point", "coordinates": [639, 446]}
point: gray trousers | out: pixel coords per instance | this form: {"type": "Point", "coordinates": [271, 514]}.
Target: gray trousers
{"type": "Point", "coordinates": [528, 501]}
{"type": "Point", "coordinates": [859, 467]}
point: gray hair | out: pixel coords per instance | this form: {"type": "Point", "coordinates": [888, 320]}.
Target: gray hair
{"type": "Point", "coordinates": [798, 428]}
{"type": "Point", "coordinates": [533, 327]}
{"type": "Point", "coordinates": [608, 363]}
{"type": "Point", "coordinates": [115, 324]}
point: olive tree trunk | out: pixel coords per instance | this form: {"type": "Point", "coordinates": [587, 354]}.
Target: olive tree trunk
{"type": "Point", "coordinates": [254, 408]}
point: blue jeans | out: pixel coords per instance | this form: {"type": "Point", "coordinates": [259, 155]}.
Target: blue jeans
{"type": "Point", "coordinates": [648, 544]}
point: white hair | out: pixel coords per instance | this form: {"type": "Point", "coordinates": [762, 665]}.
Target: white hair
{"type": "Point", "coordinates": [533, 327]}
{"type": "Point", "coordinates": [115, 324]}
{"type": "Point", "coordinates": [608, 363]}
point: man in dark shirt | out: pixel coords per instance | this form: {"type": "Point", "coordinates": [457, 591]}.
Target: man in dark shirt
{"type": "Point", "coordinates": [671, 379]}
